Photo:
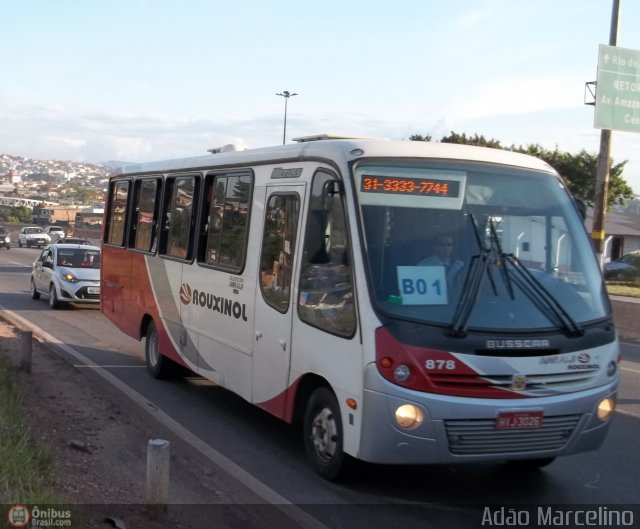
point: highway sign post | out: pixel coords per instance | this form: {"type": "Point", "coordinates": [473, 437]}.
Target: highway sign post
{"type": "Point", "coordinates": [618, 89]}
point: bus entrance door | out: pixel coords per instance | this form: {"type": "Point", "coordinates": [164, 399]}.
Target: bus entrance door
{"type": "Point", "coordinates": [273, 309]}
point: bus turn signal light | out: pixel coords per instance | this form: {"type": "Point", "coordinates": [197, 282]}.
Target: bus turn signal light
{"type": "Point", "coordinates": [386, 362]}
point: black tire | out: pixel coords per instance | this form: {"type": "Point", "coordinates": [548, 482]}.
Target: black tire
{"type": "Point", "coordinates": [54, 303]}
{"type": "Point", "coordinates": [323, 435]}
{"type": "Point", "coordinates": [530, 464]}
{"type": "Point", "coordinates": [34, 292]}
{"type": "Point", "coordinates": [159, 366]}
{"type": "Point", "coordinates": [19, 243]}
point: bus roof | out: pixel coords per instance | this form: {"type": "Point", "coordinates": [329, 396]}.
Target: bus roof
{"type": "Point", "coordinates": [344, 149]}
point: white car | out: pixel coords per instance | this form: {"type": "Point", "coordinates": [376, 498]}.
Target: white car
{"type": "Point", "coordinates": [33, 236]}
{"type": "Point", "coordinates": [67, 273]}
{"type": "Point", "coordinates": [55, 232]}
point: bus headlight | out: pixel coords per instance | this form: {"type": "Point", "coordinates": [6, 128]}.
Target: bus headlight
{"type": "Point", "coordinates": [409, 416]}
{"type": "Point", "coordinates": [605, 408]}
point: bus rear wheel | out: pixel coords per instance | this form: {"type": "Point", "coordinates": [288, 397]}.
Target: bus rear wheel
{"type": "Point", "coordinates": [323, 435]}
{"type": "Point", "coordinates": [158, 365]}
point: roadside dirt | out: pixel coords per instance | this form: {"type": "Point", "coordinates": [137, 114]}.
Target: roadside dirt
{"type": "Point", "coordinates": [98, 444]}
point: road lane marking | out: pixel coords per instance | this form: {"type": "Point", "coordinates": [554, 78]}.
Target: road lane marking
{"type": "Point", "coordinates": [110, 366]}
{"type": "Point", "coordinates": [630, 369]}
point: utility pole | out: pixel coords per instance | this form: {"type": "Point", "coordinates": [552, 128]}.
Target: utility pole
{"type": "Point", "coordinates": [604, 160]}
{"type": "Point", "coordinates": [286, 94]}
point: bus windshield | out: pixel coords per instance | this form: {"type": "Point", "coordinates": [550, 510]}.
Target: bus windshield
{"type": "Point", "coordinates": [477, 246]}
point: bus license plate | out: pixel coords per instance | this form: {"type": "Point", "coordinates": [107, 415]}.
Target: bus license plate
{"type": "Point", "coordinates": [512, 420]}
{"type": "Point", "coordinates": [93, 290]}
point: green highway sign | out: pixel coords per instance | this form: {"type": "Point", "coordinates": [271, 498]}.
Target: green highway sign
{"type": "Point", "coordinates": [618, 89]}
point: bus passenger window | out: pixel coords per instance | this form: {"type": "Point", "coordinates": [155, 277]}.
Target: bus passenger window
{"type": "Point", "coordinates": [177, 232]}
{"type": "Point", "coordinates": [147, 193]}
{"type": "Point", "coordinates": [118, 198]}
{"type": "Point", "coordinates": [224, 225]}
{"type": "Point", "coordinates": [278, 249]}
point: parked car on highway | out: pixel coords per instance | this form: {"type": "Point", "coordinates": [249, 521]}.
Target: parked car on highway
{"type": "Point", "coordinates": [67, 273]}
{"type": "Point", "coordinates": [55, 232]}
{"type": "Point", "coordinates": [5, 238]}
{"type": "Point", "coordinates": [33, 236]}
{"type": "Point", "coordinates": [626, 268]}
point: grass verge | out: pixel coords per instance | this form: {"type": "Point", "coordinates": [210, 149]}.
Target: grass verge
{"type": "Point", "coordinates": [628, 289]}
{"type": "Point", "coordinates": [25, 468]}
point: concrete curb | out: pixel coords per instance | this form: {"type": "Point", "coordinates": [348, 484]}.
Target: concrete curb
{"type": "Point", "coordinates": [626, 314]}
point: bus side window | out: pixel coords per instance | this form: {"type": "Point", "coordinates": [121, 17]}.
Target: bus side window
{"type": "Point", "coordinates": [225, 220]}
{"type": "Point", "coordinates": [116, 220]}
{"type": "Point", "coordinates": [146, 214]}
{"type": "Point", "coordinates": [278, 249]}
{"type": "Point", "coordinates": [178, 227]}
{"type": "Point", "coordinates": [326, 279]}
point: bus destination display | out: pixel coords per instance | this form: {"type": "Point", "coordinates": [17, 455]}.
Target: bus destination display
{"type": "Point", "coordinates": [430, 187]}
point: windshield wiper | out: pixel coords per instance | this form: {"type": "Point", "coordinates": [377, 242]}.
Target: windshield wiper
{"type": "Point", "coordinates": [479, 265]}
{"type": "Point", "coordinates": [477, 268]}
{"type": "Point", "coordinates": [532, 288]}
{"type": "Point", "coordinates": [528, 284]}
{"type": "Point", "coordinates": [540, 296]}
{"type": "Point", "coordinates": [501, 255]}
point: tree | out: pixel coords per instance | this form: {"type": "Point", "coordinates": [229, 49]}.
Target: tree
{"type": "Point", "coordinates": [23, 214]}
{"type": "Point", "coordinates": [579, 173]}
{"type": "Point", "coordinates": [577, 170]}
{"type": "Point", "coordinates": [420, 137]}
{"type": "Point", "coordinates": [479, 141]}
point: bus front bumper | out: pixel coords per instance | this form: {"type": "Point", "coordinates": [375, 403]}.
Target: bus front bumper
{"type": "Point", "coordinates": [463, 430]}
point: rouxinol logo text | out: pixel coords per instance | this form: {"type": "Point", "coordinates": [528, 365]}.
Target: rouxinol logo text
{"type": "Point", "coordinates": [225, 306]}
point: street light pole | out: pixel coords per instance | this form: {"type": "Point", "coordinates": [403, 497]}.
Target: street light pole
{"type": "Point", "coordinates": [286, 94]}
{"type": "Point", "coordinates": [604, 161]}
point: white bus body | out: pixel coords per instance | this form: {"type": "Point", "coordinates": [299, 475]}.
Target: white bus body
{"type": "Point", "coordinates": [289, 275]}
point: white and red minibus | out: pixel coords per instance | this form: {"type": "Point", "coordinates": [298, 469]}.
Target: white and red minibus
{"type": "Point", "coordinates": [303, 278]}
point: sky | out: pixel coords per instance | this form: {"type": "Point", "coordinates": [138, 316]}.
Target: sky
{"type": "Point", "coordinates": [141, 80]}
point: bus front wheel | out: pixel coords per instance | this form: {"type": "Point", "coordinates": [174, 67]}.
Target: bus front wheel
{"type": "Point", "coordinates": [323, 435]}
{"type": "Point", "coordinates": [530, 464]}
{"type": "Point", "coordinates": [158, 365]}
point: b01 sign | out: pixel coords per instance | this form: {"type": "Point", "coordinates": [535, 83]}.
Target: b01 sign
{"type": "Point", "coordinates": [422, 285]}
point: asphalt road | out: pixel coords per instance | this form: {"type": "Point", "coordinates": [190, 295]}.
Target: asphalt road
{"type": "Point", "coordinates": [266, 456]}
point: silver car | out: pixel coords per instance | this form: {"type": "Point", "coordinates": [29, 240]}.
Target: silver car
{"type": "Point", "coordinates": [56, 233]}
{"type": "Point", "coordinates": [33, 236]}
{"type": "Point", "coordinates": [67, 273]}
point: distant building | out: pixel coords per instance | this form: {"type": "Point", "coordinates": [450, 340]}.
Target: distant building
{"type": "Point", "coordinates": [13, 177]}
{"type": "Point", "coordinates": [622, 233]}
{"type": "Point", "coordinates": [54, 215]}
{"type": "Point", "coordinates": [90, 216]}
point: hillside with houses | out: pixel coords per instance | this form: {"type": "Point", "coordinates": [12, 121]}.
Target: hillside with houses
{"type": "Point", "coordinates": [55, 191]}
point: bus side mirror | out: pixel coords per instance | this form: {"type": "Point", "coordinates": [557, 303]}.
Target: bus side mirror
{"type": "Point", "coordinates": [581, 207]}
{"type": "Point", "coordinates": [318, 236]}
{"type": "Point", "coordinates": [330, 189]}
{"type": "Point", "coordinates": [316, 242]}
